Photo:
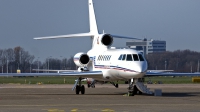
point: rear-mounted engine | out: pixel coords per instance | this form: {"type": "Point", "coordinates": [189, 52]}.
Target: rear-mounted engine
{"type": "Point", "coordinates": [81, 59]}
{"type": "Point", "coordinates": [106, 39]}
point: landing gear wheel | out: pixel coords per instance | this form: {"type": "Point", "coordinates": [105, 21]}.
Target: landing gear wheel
{"type": "Point", "coordinates": [130, 93]}
{"type": "Point", "coordinates": [82, 89]}
{"type": "Point", "coordinates": [135, 89]}
{"type": "Point", "coordinates": [117, 85]}
{"type": "Point", "coordinates": [140, 92]}
{"type": "Point", "coordinates": [88, 85]}
{"type": "Point", "coordinates": [77, 89]}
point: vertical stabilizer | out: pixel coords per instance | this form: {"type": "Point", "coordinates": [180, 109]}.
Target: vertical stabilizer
{"type": "Point", "coordinates": [93, 23]}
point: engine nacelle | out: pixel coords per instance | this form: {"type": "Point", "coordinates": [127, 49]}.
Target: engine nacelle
{"type": "Point", "coordinates": [81, 59]}
{"type": "Point", "coordinates": [106, 39]}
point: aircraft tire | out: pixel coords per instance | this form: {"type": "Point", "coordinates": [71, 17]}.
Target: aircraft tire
{"type": "Point", "coordinates": [117, 85]}
{"type": "Point", "coordinates": [77, 89]}
{"type": "Point", "coordinates": [135, 89]}
{"type": "Point", "coordinates": [82, 89]}
{"type": "Point", "coordinates": [88, 85]}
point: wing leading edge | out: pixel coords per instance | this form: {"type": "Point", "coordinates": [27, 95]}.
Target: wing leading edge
{"type": "Point", "coordinates": [88, 74]}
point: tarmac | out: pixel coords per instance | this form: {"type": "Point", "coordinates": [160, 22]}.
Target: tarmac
{"type": "Point", "coordinates": [103, 98]}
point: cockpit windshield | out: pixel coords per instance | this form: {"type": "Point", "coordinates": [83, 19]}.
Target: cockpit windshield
{"type": "Point", "coordinates": [135, 57]}
{"type": "Point", "coordinates": [141, 57]}
{"type": "Point", "coordinates": [131, 57]}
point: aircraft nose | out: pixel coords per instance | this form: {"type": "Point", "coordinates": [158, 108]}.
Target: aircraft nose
{"type": "Point", "coordinates": [142, 67]}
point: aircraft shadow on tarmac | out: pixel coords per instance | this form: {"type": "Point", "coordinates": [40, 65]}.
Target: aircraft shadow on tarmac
{"type": "Point", "coordinates": [175, 94]}
{"type": "Point", "coordinates": [164, 94]}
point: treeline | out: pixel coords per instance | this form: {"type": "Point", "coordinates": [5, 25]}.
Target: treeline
{"type": "Point", "coordinates": [179, 61]}
{"type": "Point", "coordinates": [17, 58]}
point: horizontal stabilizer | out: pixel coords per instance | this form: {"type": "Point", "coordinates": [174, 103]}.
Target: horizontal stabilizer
{"type": "Point", "coordinates": [66, 36]}
{"type": "Point", "coordinates": [124, 37]}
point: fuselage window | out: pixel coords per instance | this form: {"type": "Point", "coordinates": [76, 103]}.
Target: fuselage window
{"type": "Point", "coordinates": [100, 58]}
{"type": "Point", "coordinates": [135, 57]}
{"type": "Point", "coordinates": [141, 57]}
{"type": "Point", "coordinates": [106, 57]}
{"type": "Point", "coordinates": [120, 57]}
{"type": "Point", "coordinates": [129, 57]}
{"type": "Point", "coordinates": [124, 57]}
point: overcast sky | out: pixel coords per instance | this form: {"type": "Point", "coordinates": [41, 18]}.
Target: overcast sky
{"type": "Point", "coordinates": [176, 21]}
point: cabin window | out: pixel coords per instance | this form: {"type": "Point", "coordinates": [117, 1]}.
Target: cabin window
{"type": "Point", "coordinates": [106, 58]}
{"type": "Point", "coordinates": [129, 57]}
{"type": "Point", "coordinates": [109, 57]}
{"type": "Point", "coordinates": [100, 57]}
{"type": "Point", "coordinates": [120, 57]}
{"type": "Point", "coordinates": [124, 57]}
{"type": "Point", "coordinates": [141, 57]}
{"type": "Point", "coordinates": [135, 57]}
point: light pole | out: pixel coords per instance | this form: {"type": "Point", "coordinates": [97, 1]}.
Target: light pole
{"type": "Point", "coordinates": [38, 65]}
{"type": "Point", "coordinates": [48, 63]}
{"type": "Point", "coordinates": [198, 66]}
{"type": "Point", "coordinates": [165, 64]}
{"type": "Point", "coordinates": [30, 67]}
{"type": "Point", "coordinates": [7, 64]}
{"type": "Point", "coordinates": [60, 62]}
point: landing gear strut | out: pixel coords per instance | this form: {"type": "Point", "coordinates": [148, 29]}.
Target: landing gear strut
{"type": "Point", "coordinates": [116, 85]}
{"type": "Point", "coordinates": [132, 89]}
{"type": "Point", "coordinates": [79, 87]}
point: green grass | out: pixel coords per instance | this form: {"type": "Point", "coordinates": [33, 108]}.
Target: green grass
{"type": "Point", "coordinates": [170, 80]}
{"type": "Point", "coordinates": [70, 80]}
{"type": "Point", "coordinates": [35, 80]}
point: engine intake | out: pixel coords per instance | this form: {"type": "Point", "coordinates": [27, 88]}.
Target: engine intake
{"type": "Point", "coordinates": [81, 59]}
{"type": "Point", "coordinates": [107, 40]}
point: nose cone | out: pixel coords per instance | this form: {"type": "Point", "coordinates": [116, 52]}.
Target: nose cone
{"type": "Point", "coordinates": [141, 67]}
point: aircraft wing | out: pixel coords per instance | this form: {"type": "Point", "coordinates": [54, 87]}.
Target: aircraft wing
{"type": "Point", "coordinates": [150, 74]}
{"type": "Point", "coordinates": [58, 71]}
{"type": "Point", "coordinates": [89, 74]}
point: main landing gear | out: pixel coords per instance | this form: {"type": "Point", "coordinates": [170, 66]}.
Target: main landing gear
{"type": "Point", "coordinates": [91, 84]}
{"type": "Point", "coordinates": [79, 87]}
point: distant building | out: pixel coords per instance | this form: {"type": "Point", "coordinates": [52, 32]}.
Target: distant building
{"type": "Point", "coordinates": [148, 46]}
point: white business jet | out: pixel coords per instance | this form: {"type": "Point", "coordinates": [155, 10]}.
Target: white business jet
{"type": "Point", "coordinates": [102, 63]}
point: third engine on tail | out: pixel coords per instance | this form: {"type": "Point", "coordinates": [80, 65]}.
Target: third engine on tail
{"type": "Point", "coordinates": [106, 39]}
{"type": "Point", "coordinates": [81, 59]}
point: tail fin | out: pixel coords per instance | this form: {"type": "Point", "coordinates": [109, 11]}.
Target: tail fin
{"type": "Point", "coordinates": [93, 23]}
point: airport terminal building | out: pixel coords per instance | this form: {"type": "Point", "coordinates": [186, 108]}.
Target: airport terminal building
{"type": "Point", "coordinates": [148, 46]}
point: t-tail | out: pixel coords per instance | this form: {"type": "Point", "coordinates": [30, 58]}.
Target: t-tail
{"type": "Point", "coordinates": [98, 40]}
